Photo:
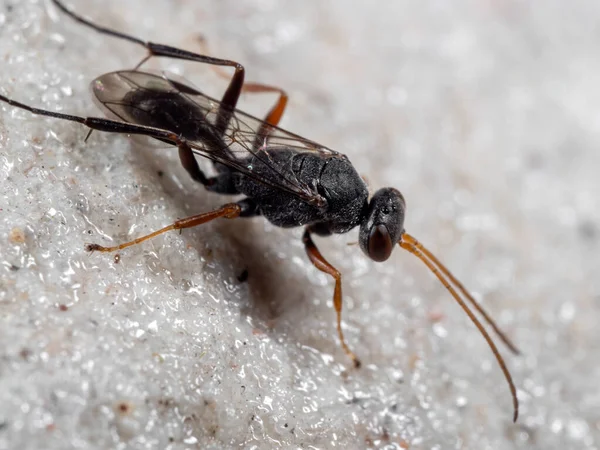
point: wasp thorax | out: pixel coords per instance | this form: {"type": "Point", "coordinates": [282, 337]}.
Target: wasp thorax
{"type": "Point", "coordinates": [383, 225]}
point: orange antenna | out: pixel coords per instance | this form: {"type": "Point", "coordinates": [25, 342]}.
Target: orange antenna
{"type": "Point", "coordinates": [437, 268]}
{"type": "Point", "coordinates": [513, 348]}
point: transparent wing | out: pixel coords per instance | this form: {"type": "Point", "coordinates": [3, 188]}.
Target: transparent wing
{"type": "Point", "coordinates": [110, 92]}
{"type": "Point", "coordinates": [246, 145]}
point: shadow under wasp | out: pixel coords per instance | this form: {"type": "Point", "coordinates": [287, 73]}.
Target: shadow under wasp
{"type": "Point", "coordinates": [289, 180]}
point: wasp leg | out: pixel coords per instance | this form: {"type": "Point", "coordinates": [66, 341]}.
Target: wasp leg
{"type": "Point", "coordinates": [232, 94]}
{"type": "Point", "coordinates": [275, 114]}
{"type": "Point", "coordinates": [189, 163]}
{"type": "Point", "coordinates": [101, 124]}
{"type": "Point", "coordinates": [228, 211]}
{"type": "Point", "coordinates": [321, 263]}
{"type": "Point", "coordinates": [223, 183]}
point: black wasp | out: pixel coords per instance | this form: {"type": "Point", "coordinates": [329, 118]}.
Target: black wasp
{"type": "Point", "coordinates": [288, 179]}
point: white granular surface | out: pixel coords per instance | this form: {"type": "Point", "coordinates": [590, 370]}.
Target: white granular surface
{"type": "Point", "coordinates": [486, 115]}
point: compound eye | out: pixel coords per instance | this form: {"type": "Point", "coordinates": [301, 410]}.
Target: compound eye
{"type": "Point", "coordinates": [380, 243]}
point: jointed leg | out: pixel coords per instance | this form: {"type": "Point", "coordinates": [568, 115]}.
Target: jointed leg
{"type": "Point", "coordinates": [276, 112]}
{"type": "Point", "coordinates": [236, 84]}
{"type": "Point", "coordinates": [232, 94]}
{"type": "Point", "coordinates": [274, 115]}
{"type": "Point", "coordinates": [321, 263]}
{"type": "Point", "coordinates": [219, 184]}
{"type": "Point", "coordinates": [189, 163]}
{"type": "Point", "coordinates": [228, 211]}
{"type": "Point", "coordinates": [101, 124]}
{"type": "Point", "coordinates": [222, 183]}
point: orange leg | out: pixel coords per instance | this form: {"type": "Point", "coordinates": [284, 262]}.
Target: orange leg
{"type": "Point", "coordinates": [276, 112]}
{"type": "Point", "coordinates": [228, 211]}
{"type": "Point", "coordinates": [321, 263]}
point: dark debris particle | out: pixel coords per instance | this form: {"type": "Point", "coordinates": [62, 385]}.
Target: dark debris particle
{"type": "Point", "coordinates": [25, 353]}
{"type": "Point", "coordinates": [63, 307]}
{"type": "Point", "coordinates": [160, 173]}
{"type": "Point", "coordinates": [3, 425]}
{"type": "Point", "coordinates": [243, 277]}
{"type": "Point", "coordinates": [13, 268]}
{"type": "Point", "coordinates": [385, 435]}
{"type": "Point", "coordinates": [166, 402]}
{"type": "Point", "coordinates": [354, 401]}
{"type": "Point", "coordinates": [124, 408]}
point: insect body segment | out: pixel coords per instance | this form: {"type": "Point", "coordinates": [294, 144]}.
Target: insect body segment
{"type": "Point", "coordinates": [290, 180]}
